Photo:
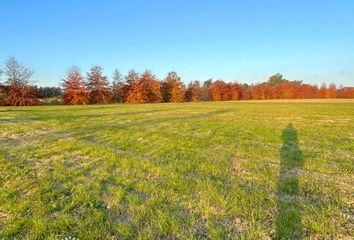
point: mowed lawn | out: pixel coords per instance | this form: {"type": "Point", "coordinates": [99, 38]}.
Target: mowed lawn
{"type": "Point", "coordinates": [210, 170]}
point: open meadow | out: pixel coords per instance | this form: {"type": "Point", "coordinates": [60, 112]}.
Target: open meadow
{"type": "Point", "coordinates": [208, 170]}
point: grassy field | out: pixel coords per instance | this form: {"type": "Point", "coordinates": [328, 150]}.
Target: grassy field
{"type": "Point", "coordinates": [215, 170]}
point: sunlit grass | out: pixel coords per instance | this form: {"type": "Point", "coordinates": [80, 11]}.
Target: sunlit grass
{"type": "Point", "coordinates": [212, 170]}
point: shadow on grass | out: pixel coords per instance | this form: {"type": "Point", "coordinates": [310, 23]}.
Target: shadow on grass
{"type": "Point", "coordinates": [288, 219]}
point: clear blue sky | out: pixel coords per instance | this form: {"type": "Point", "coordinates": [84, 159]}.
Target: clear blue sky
{"type": "Point", "coordinates": [243, 41]}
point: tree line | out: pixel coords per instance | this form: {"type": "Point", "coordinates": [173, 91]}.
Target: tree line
{"type": "Point", "coordinates": [94, 87]}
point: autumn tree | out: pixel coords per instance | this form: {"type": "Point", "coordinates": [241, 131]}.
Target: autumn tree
{"type": "Point", "coordinates": [20, 92]}
{"type": "Point", "coordinates": [332, 91]}
{"type": "Point", "coordinates": [323, 91]}
{"type": "Point", "coordinates": [345, 92]}
{"type": "Point", "coordinates": [219, 91]}
{"type": "Point", "coordinates": [260, 92]}
{"type": "Point", "coordinates": [245, 92]}
{"type": "Point", "coordinates": [98, 88]}
{"type": "Point", "coordinates": [193, 91]}
{"type": "Point", "coordinates": [307, 91]}
{"type": "Point", "coordinates": [288, 91]}
{"type": "Point", "coordinates": [131, 80]}
{"type": "Point", "coordinates": [234, 91]}
{"type": "Point", "coordinates": [135, 89]}
{"type": "Point", "coordinates": [172, 88]}
{"type": "Point", "coordinates": [276, 91]}
{"type": "Point", "coordinates": [74, 88]}
{"type": "Point", "coordinates": [225, 90]}
{"type": "Point", "coordinates": [214, 92]}
{"type": "Point", "coordinates": [282, 91]}
{"type": "Point", "coordinates": [152, 86]}
{"type": "Point", "coordinates": [25, 96]}
{"type": "Point", "coordinates": [143, 88]}
{"type": "Point", "coordinates": [118, 86]}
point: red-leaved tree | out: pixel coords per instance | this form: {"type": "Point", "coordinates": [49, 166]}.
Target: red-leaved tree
{"type": "Point", "coordinates": [98, 88]}
{"type": "Point", "coordinates": [152, 86]}
{"type": "Point", "coordinates": [260, 92]}
{"type": "Point", "coordinates": [136, 91]}
{"type": "Point", "coordinates": [219, 91]}
{"type": "Point", "coordinates": [173, 88]}
{"type": "Point", "coordinates": [332, 91]}
{"type": "Point", "coordinates": [323, 91]}
{"type": "Point", "coordinates": [234, 91]}
{"type": "Point", "coordinates": [193, 92]}
{"type": "Point", "coordinates": [345, 92]}
{"type": "Point", "coordinates": [18, 89]}
{"type": "Point", "coordinates": [74, 87]}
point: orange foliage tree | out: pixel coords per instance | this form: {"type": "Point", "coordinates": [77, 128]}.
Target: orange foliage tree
{"type": "Point", "coordinates": [172, 88]}
{"type": "Point", "coordinates": [332, 91]}
{"type": "Point", "coordinates": [98, 86]}
{"type": "Point", "coordinates": [135, 89]}
{"type": "Point", "coordinates": [193, 91]}
{"type": "Point", "coordinates": [219, 91]}
{"type": "Point", "coordinates": [260, 92]}
{"type": "Point", "coordinates": [142, 88]}
{"type": "Point", "coordinates": [18, 90]}
{"type": "Point", "coordinates": [74, 88]}
{"type": "Point", "coordinates": [308, 91]}
{"type": "Point", "coordinates": [234, 91]}
{"type": "Point", "coordinates": [152, 87]}
{"type": "Point", "coordinates": [345, 92]}
{"type": "Point", "coordinates": [323, 91]}
{"type": "Point", "coordinates": [289, 91]}
{"type": "Point", "coordinates": [23, 96]}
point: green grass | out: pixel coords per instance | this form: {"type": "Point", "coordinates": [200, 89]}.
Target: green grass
{"type": "Point", "coordinates": [215, 170]}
